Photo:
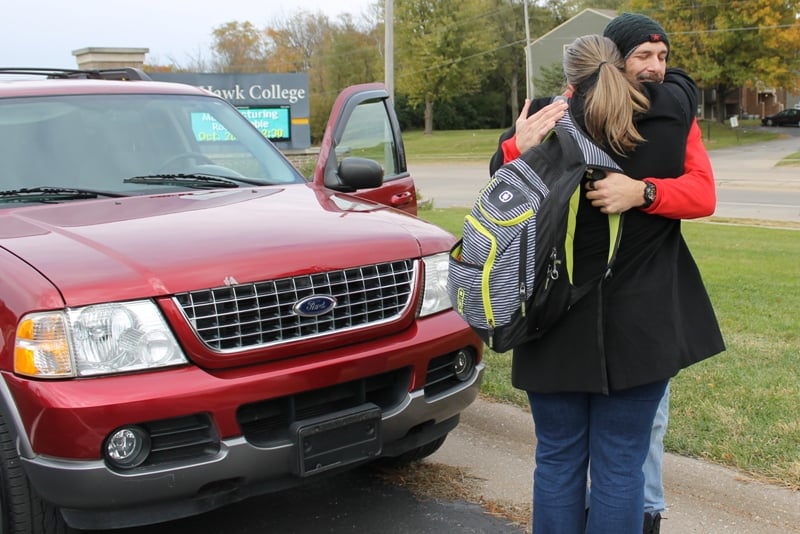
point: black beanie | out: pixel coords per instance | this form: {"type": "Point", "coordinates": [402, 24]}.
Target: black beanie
{"type": "Point", "coordinates": [629, 30]}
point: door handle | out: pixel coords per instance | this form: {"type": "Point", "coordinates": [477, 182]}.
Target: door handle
{"type": "Point", "coordinates": [401, 199]}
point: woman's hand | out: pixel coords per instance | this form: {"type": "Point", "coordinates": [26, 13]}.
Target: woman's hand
{"type": "Point", "coordinates": [530, 131]}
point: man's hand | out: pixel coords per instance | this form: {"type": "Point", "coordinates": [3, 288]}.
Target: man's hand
{"type": "Point", "coordinates": [616, 193]}
{"type": "Point", "coordinates": [531, 130]}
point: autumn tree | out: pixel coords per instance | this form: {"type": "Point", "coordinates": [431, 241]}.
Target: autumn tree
{"type": "Point", "coordinates": [238, 47]}
{"type": "Point", "coordinates": [729, 45]}
{"type": "Point", "coordinates": [349, 56]}
{"type": "Point", "coordinates": [334, 55]}
{"type": "Point", "coordinates": [440, 50]}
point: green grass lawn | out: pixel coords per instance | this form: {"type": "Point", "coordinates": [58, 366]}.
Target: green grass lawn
{"type": "Point", "coordinates": [471, 145]}
{"type": "Point", "coordinates": [739, 408]}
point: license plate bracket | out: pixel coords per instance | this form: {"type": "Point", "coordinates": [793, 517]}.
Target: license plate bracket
{"type": "Point", "coordinates": [335, 440]}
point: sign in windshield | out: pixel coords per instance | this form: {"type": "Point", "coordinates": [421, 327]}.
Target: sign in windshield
{"type": "Point", "coordinates": [272, 122]}
{"type": "Point", "coordinates": [277, 104]}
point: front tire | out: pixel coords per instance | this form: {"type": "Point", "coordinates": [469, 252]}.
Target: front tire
{"type": "Point", "coordinates": [22, 511]}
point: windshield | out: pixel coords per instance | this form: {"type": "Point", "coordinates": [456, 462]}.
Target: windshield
{"type": "Point", "coordinates": [108, 143]}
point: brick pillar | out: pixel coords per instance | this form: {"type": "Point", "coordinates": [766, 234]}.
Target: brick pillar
{"type": "Point", "coordinates": [109, 58]}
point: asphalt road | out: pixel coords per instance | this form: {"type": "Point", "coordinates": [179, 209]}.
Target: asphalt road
{"type": "Point", "coordinates": [356, 502]}
{"type": "Point", "coordinates": [749, 185]}
{"type": "Point", "coordinates": [493, 446]}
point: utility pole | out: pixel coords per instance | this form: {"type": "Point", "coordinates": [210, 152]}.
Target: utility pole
{"type": "Point", "coordinates": [388, 60]}
{"type": "Point", "coordinates": [528, 59]}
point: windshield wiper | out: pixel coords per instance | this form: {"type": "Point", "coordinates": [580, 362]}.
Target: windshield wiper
{"type": "Point", "coordinates": [200, 181]}
{"type": "Point", "coordinates": [51, 194]}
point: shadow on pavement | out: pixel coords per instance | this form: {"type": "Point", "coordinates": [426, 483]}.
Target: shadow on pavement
{"type": "Point", "coordinates": [355, 502]}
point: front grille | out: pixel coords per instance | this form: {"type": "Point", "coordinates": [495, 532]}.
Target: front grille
{"type": "Point", "coordinates": [268, 422]}
{"type": "Point", "coordinates": [248, 315]}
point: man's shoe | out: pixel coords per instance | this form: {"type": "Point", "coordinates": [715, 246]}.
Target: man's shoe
{"type": "Point", "coordinates": [652, 523]}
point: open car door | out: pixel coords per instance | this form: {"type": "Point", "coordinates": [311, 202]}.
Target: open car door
{"type": "Point", "coordinates": [362, 150]}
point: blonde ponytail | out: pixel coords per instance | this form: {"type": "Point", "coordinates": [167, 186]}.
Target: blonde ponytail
{"type": "Point", "coordinates": [594, 66]}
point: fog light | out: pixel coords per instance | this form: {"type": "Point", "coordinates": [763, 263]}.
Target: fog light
{"type": "Point", "coordinates": [128, 447]}
{"type": "Point", "coordinates": [463, 364]}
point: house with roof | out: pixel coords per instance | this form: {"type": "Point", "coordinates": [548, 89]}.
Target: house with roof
{"type": "Point", "coordinates": [548, 50]}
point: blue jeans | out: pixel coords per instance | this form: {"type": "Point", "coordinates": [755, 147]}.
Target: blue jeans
{"type": "Point", "coordinates": [653, 482]}
{"type": "Point", "coordinates": [614, 432]}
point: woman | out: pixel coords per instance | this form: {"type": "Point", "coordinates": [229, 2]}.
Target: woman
{"type": "Point", "coordinates": [595, 380]}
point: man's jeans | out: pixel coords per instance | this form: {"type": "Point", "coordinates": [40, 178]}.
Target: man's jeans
{"type": "Point", "coordinates": [653, 483]}
{"type": "Point", "coordinates": [615, 432]}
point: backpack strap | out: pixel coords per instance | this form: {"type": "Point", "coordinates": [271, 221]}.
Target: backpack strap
{"type": "Point", "coordinates": [595, 157]}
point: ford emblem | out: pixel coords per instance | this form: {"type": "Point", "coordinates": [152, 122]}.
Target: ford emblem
{"type": "Point", "coordinates": [314, 306]}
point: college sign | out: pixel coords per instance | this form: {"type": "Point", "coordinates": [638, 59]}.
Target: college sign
{"type": "Point", "coordinates": [276, 104]}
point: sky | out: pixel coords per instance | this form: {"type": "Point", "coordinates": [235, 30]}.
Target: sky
{"type": "Point", "coordinates": [44, 33]}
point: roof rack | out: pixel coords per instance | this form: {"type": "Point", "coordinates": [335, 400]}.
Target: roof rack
{"type": "Point", "coordinates": [120, 73]}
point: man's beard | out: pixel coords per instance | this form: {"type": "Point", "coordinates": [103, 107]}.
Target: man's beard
{"type": "Point", "coordinates": [650, 77]}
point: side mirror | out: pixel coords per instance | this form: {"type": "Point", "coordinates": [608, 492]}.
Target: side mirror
{"type": "Point", "coordinates": [356, 173]}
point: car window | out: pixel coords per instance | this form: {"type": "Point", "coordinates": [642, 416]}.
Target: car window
{"type": "Point", "coordinates": [368, 134]}
{"type": "Point", "coordinates": [363, 125]}
{"type": "Point", "coordinates": [98, 141]}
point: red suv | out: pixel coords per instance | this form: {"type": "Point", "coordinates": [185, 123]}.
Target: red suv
{"type": "Point", "coordinates": [187, 321]}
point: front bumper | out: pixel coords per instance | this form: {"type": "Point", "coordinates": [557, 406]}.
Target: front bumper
{"type": "Point", "coordinates": [91, 495]}
{"type": "Point", "coordinates": [62, 425]}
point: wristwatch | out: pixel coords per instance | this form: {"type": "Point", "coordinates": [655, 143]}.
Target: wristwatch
{"type": "Point", "coordinates": [649, 194]}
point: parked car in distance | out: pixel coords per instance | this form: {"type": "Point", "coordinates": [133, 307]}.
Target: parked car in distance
{"type": "Point", "coordinates": [186, 321]}
{"type": "Point", "coordinates": [787, 117]}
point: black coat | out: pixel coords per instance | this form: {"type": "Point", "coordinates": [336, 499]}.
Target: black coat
{"type": "Point", "coordinates": [653, 317]}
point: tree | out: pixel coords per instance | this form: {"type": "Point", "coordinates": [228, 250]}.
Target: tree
{"type": "Point", "coordinates": [509, 57]}
{"type": "Point", "coordinates": [299, 44]}
{"type": "Point", "coordinates": [332, 54]}
{"type": "Point", "coordinates": [348, 56]}
{"type": "Point", "coordinates": [238, 47]}
{"type": "Point", "coordinates": [552, 80]}
{"type": "Point", "coordinates": [729, 45]}
{"type": "Point", "coordinates": [441, 50]}
{"type": "Point", "coordinates": [509, 72]}
{"type": "Point", "coordinates": [294, 41]}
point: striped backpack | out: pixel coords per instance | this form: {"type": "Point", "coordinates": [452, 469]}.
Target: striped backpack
{"type": "Point", "coordinates": [510, 274]}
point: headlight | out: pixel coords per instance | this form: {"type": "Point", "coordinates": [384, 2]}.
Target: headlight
{"type": "Point", "coordinates": [94, 340]}
{"type": "Point", "coordinates": [435, 298]}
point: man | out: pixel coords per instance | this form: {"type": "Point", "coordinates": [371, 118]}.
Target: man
{"type": "Point", "coordinates": [645, 47]}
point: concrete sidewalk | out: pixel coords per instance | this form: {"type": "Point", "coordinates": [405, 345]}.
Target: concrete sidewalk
{"type": "Point", "coordinates": [495, 443]}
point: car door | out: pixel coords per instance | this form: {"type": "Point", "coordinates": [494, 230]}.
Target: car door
{"type": "Point", "coordinates": [363, 124]}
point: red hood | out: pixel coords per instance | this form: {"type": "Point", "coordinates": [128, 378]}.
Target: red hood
{"type": "Point", "coordinates": [136, 247]}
